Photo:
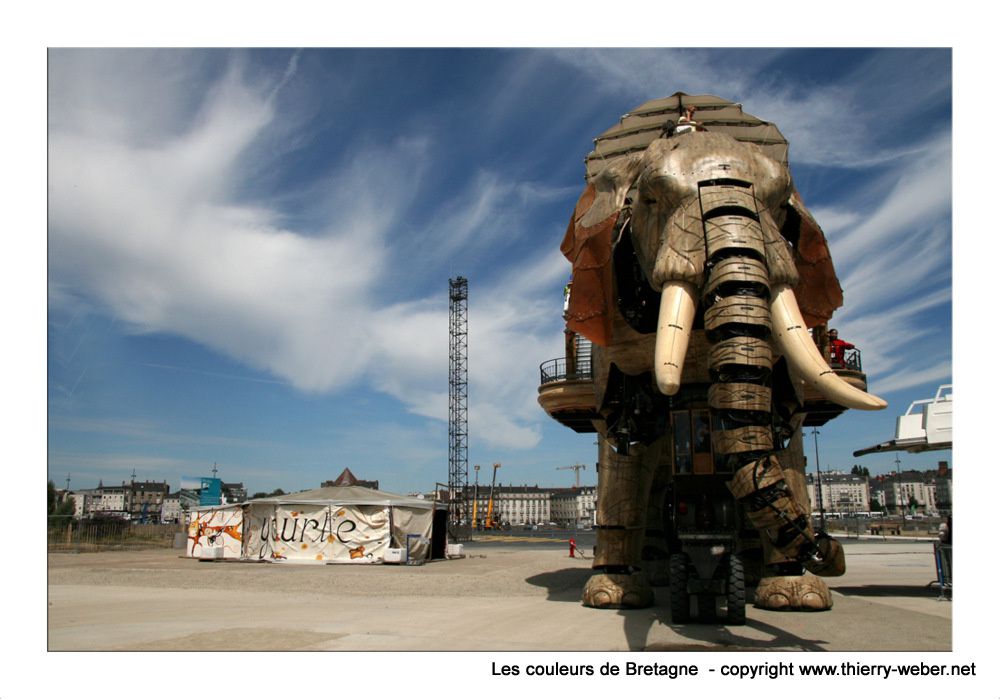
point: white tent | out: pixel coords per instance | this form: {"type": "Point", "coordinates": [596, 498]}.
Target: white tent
{"type": "Point", "coordinates": [340, 524]}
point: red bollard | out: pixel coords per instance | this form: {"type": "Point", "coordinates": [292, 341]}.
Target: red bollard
{"type": "Point", "coordinates": [572, 548]}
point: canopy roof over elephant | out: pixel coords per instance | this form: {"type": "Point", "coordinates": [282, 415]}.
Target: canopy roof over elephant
{"type": "Point", "coordinates": [646, 123]}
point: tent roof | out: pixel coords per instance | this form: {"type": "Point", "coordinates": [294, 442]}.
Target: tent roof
{"type": "Point", "coordinates": [645, 124]}
{"type": "Point", "coordinates": [347, 495]}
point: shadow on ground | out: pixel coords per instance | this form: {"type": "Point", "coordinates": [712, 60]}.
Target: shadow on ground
{"type": "Point", "coordinates": [567, 585]}
{"type": "Point", "coordinates": [564, 585]}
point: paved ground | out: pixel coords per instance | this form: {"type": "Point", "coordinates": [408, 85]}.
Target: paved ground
{"type": "Point", "coordinates": [502, 596]}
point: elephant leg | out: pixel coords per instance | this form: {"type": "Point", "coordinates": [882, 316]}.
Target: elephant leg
{"type": "Point", "coordinates": [655, 547]}
{"type": "Point", "coordinates": [623, 485]}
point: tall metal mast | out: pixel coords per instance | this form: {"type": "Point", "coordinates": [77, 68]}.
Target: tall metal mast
{"type": "Point", "coordinates": [458, 410]}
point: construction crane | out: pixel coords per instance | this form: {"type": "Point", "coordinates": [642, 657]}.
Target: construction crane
{"type": "Point", "coordinates": [490, 522]}
{"type": "Point", "coordinates": [575, 467]}
{"type": "Point", "coordinates": [475, 497]}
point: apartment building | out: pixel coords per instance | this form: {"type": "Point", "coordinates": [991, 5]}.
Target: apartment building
{"type": "Point", "coordinates": [574, 506]}
{"type": "Point", "coordinates": [836, 491]}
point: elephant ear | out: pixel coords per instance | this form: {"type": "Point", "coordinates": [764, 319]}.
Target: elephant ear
{"type": "Point", "coordinates": [818, 292]}
{"type": "Point", "coordinates": [588, 243]}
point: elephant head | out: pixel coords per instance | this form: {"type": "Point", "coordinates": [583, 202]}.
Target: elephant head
{"type": "Point", "coordinates": [706, 214]}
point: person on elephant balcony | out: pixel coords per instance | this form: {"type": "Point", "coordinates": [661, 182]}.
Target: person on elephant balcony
{"type": "Point", "coordinates": [837, 349]}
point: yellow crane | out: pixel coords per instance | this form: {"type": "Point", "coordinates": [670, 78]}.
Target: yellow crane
{"type": "Point", "coordinates": [490, 523]}
{"type": "Point", "coordinates": [475, 498]}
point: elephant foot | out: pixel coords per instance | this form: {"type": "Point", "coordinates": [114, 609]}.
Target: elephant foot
{"type": "Point", "coordinates": [618, 591]}
{"type": "Point", "coordinates": [802, 593]}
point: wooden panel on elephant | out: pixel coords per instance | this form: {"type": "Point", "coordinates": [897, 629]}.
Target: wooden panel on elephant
{"type": "Point", "coordinates": [745, 270]}
{"type": "Point", "coordinates": [793, 463]}
{"type": "Point", "coordinates": [746, 310]}
{"type": "Point", "coordinates": [733, 233]}
{"type": "Point", "coordinates": [631, 351]}
{"type": "Point", "coordinates": [739, 396]}
{"type": "Point", "coordinates": [778, 253]}
{"type": "Point", "coordinates": [623, 487]}
{"type": "Point", "coordinates": [793, 467]}
{"type": "Point", "coordinates": [741, 439]}
{"type": "Point", "coordinates": [755, 476]}
{"type": "Point", "coordinates": [727, 196]}
{"type": "Point", "coordinates": [746, 351]}
{"type": "Point", "coordinates": [679, 254]}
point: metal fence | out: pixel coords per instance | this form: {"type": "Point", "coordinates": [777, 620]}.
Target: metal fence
{"type": "Point", "coordinates": [67, 534]}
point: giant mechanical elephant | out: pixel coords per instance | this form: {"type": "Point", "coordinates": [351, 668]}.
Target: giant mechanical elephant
{"type": "Point", "coordinates": [698, 275]}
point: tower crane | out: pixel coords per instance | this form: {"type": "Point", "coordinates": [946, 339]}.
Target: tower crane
{"type": "Point", "coordinates": [575, 467]}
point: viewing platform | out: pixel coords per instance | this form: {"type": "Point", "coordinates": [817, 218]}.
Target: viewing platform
{"type": "Point", "coordinates": [819, 410]}
{"type": "Point", "coordinates": [566, 392]}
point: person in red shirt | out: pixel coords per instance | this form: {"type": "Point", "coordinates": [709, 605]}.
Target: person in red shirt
{"type": "Point", "coordinates": [837, 349]}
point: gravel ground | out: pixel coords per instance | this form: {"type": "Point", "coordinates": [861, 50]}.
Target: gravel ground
{"type": "Point", "coordinates": [510, 572]}
{"type": "Point", "coordinates": [520, 596]}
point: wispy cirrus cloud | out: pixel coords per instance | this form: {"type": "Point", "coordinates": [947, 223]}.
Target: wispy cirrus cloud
{"type": "Point", "coordinates": [838, 123]}
{"type": "Point", "coordinates": [150, 220]}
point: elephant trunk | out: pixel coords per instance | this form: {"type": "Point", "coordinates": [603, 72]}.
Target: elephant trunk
{"type": "Point", "coordinates": [748, 275]}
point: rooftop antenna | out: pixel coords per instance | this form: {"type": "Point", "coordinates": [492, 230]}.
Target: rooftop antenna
{"type": "Point", "coordinates": [214, 469]}
{"type": "Point", "coordinates": [133, 474]}
{"type": "Point", "coordinates": [67, 481]}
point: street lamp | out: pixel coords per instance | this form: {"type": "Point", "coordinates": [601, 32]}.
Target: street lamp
{"type": "Point", "coordinates": [819, 482]}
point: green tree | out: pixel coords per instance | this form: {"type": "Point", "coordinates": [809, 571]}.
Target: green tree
{"type": "Point", "coordinates": [262, 494]}
{"type": "Point", "coordinates": [60, 509]}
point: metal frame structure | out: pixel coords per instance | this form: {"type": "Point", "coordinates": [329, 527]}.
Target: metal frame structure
{"type": "Point", "coordinates": [459, 527]}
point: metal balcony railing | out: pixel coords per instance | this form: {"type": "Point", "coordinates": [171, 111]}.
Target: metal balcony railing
{"type": "Point", "coordinates": [852, 360]}
{"type": "Point", "coordinates": [555, 370]}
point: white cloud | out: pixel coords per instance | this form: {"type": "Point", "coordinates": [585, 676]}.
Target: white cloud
{"type": "Point", "coordinates": [908, 378]}
{"type": "Point", "coordinates": [146, 220]}
{"type": "Point", "coordinates": [839, 124]}
{"type": "Point", "coordinates": [919, 195]}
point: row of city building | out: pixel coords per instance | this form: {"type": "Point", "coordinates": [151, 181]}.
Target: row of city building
{"type": "Point", "coordinates": [904, 493]}
{"type": "Point", "coordinates": [152, 501]}
{"type": "Point", "coordinates": [529, 505]}
{"type": "Point", "coordinates": [143, 501]}
{"type": "Point", "coordinates": [926, 493]}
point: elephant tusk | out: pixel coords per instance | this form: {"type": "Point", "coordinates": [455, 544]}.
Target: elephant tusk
{"type": "Point", "coordinates": [792, 337]}
{"type": "Point", "coordinates": [673, 332]}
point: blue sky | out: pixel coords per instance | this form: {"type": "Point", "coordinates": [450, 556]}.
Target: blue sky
{"type": "Point", "coordinates": [249, 251]}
